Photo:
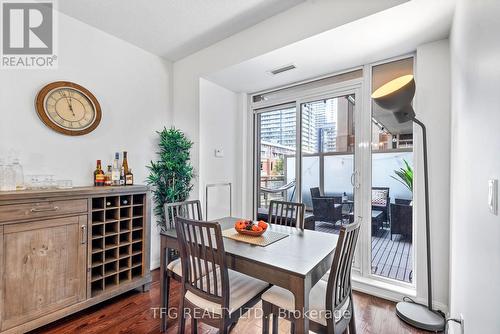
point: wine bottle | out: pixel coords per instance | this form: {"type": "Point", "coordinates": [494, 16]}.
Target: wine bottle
{"type": "Point", "coordinates": [98, 175]}
{"type": "Point", "coordinates": [125, 162]}
{"type": "Point", "coordinates": [115, 171]}
{"type": "Point", "coordinates": [107, 177]}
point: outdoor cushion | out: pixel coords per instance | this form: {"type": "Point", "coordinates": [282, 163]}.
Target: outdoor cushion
{"type": "Point", "coordinates": [242, 289]}
{"type": "Point", "coordinates": [379, 197]}
{"type": "Point", "coordinates": [284, 299]}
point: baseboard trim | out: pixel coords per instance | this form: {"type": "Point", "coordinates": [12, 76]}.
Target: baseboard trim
{"type": "Point", "coordinates": [390, 292]}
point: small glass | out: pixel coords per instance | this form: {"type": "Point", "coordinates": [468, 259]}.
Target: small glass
{"type": "Point", "coordinates": [41, 181]}
{"type": "Point", "coordinates": [64, 184]}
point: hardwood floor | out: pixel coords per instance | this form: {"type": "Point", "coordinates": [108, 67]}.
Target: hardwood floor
{"type": "Point", "coordinates": [133, 313]}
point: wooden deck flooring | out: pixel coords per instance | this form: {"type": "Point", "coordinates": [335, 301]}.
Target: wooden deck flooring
{"type": "Point", "coordinates": [390, 258]}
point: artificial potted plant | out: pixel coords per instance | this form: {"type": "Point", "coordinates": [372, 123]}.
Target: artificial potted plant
{"type": "Point", "coordinates": [171, 175]}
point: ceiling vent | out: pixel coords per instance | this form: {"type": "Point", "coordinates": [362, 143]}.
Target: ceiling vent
{"type": "Point", "coordinates": [282, 69]}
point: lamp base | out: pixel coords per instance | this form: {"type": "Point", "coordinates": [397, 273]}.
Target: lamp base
{"type": "Point", "coordinates": [420, 316]}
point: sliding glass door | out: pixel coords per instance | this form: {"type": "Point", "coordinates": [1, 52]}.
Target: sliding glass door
{"type": "Point", "coordinates": [325, 144]}
{"type": "Point", "coordinates": [276, 148]}
{"type": "Point", "coordinates": [328, 159]}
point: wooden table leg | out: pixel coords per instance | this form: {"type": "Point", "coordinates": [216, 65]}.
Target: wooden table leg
{"type": "Point", "coordinates": [163, 284]}
{"type": "Point", "coordinates": [300, 289]}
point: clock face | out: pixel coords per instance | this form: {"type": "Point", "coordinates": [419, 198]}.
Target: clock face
{"type": "Point", "coordinates": [68, 108]}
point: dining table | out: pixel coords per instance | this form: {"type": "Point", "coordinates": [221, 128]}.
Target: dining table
{"type": "Point", "coordinates": [296, 262]}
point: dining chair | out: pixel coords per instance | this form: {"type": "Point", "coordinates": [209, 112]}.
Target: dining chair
{"type": "Point", "coordinates": [330, 302]}
{"type": "Point", "coordinates": [186, 209]}
{"type": "Point", "coordinates": [286, 213]}
{"type": "Point", "coordinates": [211, 293]}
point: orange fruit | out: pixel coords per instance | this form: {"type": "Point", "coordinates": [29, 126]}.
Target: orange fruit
{"type": "Point", "coordinates": [262, 224]}
{"type": "Point", "coordinates": [239, 225]}
{"type": "Point", "coordinates": [256, 228]}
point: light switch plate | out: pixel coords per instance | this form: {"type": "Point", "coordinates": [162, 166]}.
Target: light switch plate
{"type": "Point", "coordinates": [219, 153]}
{"type": "Point", "coordinates": [493, 196]}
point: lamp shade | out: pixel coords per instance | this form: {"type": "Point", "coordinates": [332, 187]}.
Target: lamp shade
{"type": "Point", "coordinates": [396, 95]}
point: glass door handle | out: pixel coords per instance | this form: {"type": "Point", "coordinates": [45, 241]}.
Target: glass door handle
{"type": "Point", "coordinates": [354, 179]}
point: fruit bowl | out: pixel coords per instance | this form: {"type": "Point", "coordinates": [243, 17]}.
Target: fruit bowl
{"type": "Point", "coordinates": [249, 227]}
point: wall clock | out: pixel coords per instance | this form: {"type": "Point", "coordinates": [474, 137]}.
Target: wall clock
{"type": "Point", "coordinates": [68, 108]}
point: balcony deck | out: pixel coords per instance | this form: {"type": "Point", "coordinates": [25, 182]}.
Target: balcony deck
{"type": "Point", "coordinates": [390, 258]}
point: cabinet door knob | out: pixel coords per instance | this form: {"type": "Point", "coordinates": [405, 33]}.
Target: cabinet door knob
{"type": "Point", "coordinates": [84, 234]}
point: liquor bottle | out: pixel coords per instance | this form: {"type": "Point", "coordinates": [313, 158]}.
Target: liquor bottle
{"type": "Point", "coordinates": [125, 162]}
{"type": "Point", "coordinates": [98, 175]}
{"type": "Point", "coordinates": [107, 177]}
{"type": "Point", "coordinates": [124, 169]}
{"type": "Point", "coordinates": [122, 176]}
{"type": "Point", "coordinates": [115, 171]}
{"type": "Point", "coordinates": [129, 178]}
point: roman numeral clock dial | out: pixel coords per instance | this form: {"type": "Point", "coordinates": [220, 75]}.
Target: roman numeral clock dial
{"type": "Point", "coordinates": [68, 108]}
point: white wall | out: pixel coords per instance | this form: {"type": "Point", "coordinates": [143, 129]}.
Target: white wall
{"type": "Point", "coordinates": [132, 87]}
{"type": "Point", "coordinates": [277, 31]}
{"type": "Point", "coordinates": [220, 128]}
{"type": "Point", "coordinates": [432, 106]}
{"type": "Point", "coordinates": [475, 233]}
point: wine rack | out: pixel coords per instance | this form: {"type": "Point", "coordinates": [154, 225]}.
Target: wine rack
{"type": "Point", "coordinates": [117, 248]}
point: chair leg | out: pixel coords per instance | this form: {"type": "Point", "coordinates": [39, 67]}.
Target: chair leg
{"type": "Point", "coordinates": [164, 302]}
{"type": "Point", "coordinates": [182, 320]}
{"type": "Point", "coordinates": [352, 322]}
{"type": "Point", "coordinates": [194, 326]}
{"type": "Point", "coordinates": [223, 328]}
{"type": "Point", "coordinates": [275, 323]}
{"type": "Point", "coordinates": [266, 310]}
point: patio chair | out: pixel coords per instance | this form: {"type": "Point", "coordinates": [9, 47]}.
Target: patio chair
{"type": "Point", "coordinates": [402, 220]}
{"type": "Point", "coordinates": [380, 202]}
{"type": "Point", "coordinates": [326, 208]}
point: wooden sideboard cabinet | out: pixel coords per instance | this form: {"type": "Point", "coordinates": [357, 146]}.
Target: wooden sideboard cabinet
{"type": "Point", "coordinates": [64, 250]}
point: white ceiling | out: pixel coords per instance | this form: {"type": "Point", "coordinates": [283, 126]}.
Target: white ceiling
{"type": "Point", "coordinates": [395, 31]}
{"type": "Point", "coordinates": [173, 29]}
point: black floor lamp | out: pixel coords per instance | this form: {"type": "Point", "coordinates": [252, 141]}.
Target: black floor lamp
{"type": "Point", "coordinates": [396, 96]}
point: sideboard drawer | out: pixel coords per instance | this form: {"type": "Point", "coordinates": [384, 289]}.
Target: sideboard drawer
{"type": "Point", "coordinates": [13, 212]}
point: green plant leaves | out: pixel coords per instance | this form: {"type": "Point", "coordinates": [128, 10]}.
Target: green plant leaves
{"type": "Point", "coordinates": [171, 175]}
{"type": "Point", "coordinates": [405, 175]}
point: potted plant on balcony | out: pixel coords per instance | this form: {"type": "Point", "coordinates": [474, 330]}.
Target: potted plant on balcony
{"type": "Point", "coordinates": [405, 176]}
{"type": "Point", "coordinates": [171, 175]}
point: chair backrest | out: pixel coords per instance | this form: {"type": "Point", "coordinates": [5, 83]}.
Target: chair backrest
{"type": "Point", "coordinates": [203, 259]}
{"type": "Point", "coordinates": [339, 282]}
{"type": "Point", "coordinates": [315, 192]}
{"type": "Point", "coordinates": [186, 209]}
{"type": "Point", "coordinates": [286, 213]}
{"type": "Point", "coordinates": [402, 201]}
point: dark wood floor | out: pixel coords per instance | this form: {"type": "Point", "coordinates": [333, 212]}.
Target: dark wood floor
{"type": "Point", "coordinates": [133, 313]}
{"type": "Point", "coordinates": [390, 258]}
